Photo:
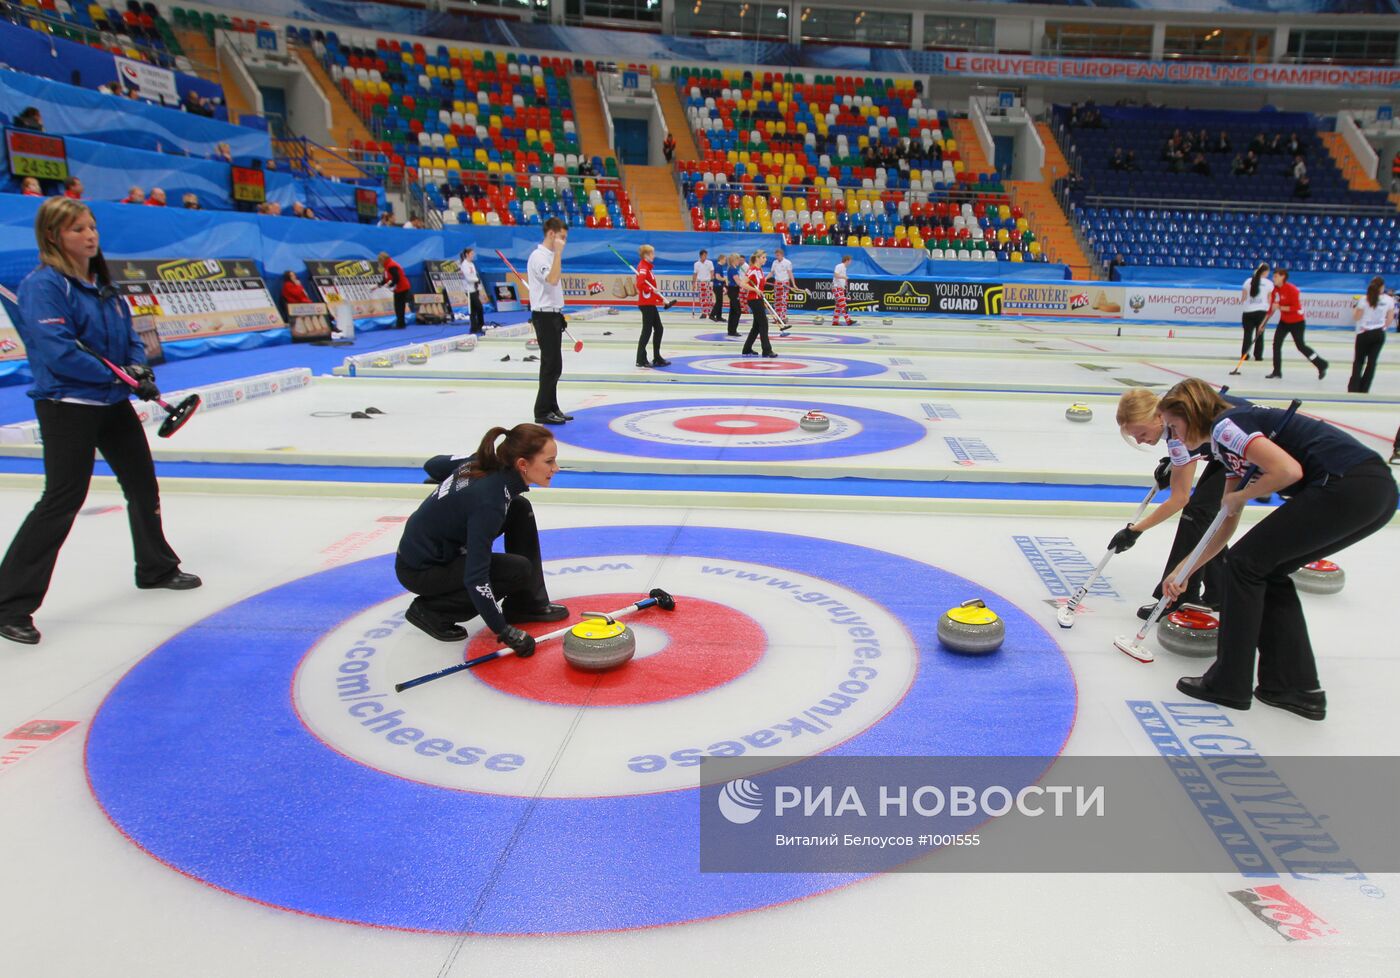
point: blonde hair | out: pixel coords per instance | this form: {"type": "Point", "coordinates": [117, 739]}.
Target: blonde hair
{"type": "Point", "coordinates": [56, 215]}
{"type": "Point", "coordinates": [756, 256]}
{"type": "Point", "coordinates": [1136, 406]}
{"type": "Point", "coordinates": [383, 256]}
{"type": "Point", "coordinates": [1195, 402]}
{"type": "Point", "coordinates": [646, 251]}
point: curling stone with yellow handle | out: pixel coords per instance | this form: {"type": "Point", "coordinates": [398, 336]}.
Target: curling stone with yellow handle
{"type": "Point", "coordinates": [599, 643]}
{"type": "Point", "coordinates": [971, 628]}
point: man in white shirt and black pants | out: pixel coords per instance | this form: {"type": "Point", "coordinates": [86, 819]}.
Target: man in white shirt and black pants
{"type": "Point", "coordinates": [545, 273]}
{"type": "Point", "coordinates": [474, 290]}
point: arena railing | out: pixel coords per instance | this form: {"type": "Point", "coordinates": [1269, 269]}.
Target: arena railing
{"type": "Point", "coordinates": [25, 16]}
{"type": "Point", "coordinates": [1237, 207]}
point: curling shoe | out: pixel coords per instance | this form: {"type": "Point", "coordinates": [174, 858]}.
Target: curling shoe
{"type": "Point", "coordinates": [21, 632]}
{"type": "Point", "coordinates": [178, 581]}
{"type": "Point", "coordinates": [426, 621]}
{"type": "Point", "coordinates": [1309, 704]}
{"type": "Point", "coordinates": [1196, 688]}
{"type": "Point", "coordinates": [550, 612]}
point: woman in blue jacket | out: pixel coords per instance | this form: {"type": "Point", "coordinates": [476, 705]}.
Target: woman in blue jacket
{"type": "Point", "coordinates": [81, 408]}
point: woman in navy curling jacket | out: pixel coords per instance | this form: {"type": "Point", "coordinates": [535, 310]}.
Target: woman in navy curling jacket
{"type": "Point", "coordinates": [81, 408]}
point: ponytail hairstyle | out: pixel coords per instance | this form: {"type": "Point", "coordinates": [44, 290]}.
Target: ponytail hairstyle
{"type": "Point", "coordinates": [522, 441]}
{"type": "Point", "coordinates": [1195, 402]}
{"type": "Point", "coordinates": [758, 256]}
{"type": "Point", "coordinates": [1136, 406]}
{"type": "Point", "coordinates": [1259, 273]}
{"type": "Point", "coordinates": [1373, 291]}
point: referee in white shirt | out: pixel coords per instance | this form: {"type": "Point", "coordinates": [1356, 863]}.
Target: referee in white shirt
{"type": "Point", "coordinates": [474, 290]}
{"type": "Point", "coordinates": [545, 273]}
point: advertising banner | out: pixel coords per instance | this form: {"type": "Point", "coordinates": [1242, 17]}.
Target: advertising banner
{"type": "Point", "coordinates": [900, 295]}
{"type": "Point", "coordinates": [608, 289]}
{"type": "Point", "coordinates": [190, 297]}
{"type": "Point", "coordinates": [1223, 305]}
{"type": "Point", "coordinates": [150, 81]}
{"type": "Point", "coordinates": [1089, 300]}
{"type": "Point", "coordinates": [354, 281]}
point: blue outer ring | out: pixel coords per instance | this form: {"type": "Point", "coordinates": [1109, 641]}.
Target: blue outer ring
{"type": "Point", "coordinates": [881, 432]}
{"type": "Point", "coordinates": [843, 339]}
{"type": "Point", "coordinates": [198, 757]}
{"type": "Point", "coordinates": [849, 368]}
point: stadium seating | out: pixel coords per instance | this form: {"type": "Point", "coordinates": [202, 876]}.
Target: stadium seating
{"type": "Point", "coordinates": [780, 155]}
{"type": "Point", "coordinates": [137, 31]}
{"type": "Point", "coordinates": [1224, 220]}
{"type": "Point", "coordinates": [1214, 239]}
{"type": "Point", "coordinates": [492, 141]}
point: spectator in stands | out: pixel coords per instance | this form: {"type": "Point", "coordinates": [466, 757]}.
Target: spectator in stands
{"type": "Point", "coordinates": [386, 220]}
{"type": "Point", "coordinates": [1116, 161]}
{"type": "Point", "coordinates": [29, 187]}
{"type": "Point", "coordinates": [1300, 168]}
{"type": "Point", "coordinates": [668, 148]}
{"type": "Point", "coordinates": [134, 196]}
{"type": "Point", "coordinates": [1072, 120]}
{"type": "Point", "coordinates": [29, 119]}
{"type": "Point", "coordinates": [1259, 145]}
{"type": "Point", "coordinates": [1222, 142]}
{"type": "Point", "coordinates": [1203, 141]}
{"type": "Point", "coordinates": [301, 210]}
{"type": "Point", "coordinates": [1169, 148]}
{"type": "Point", "coordinates": [156, 198]}
{"type": "Point", "coordinates": [1187, 145]}
{"type": "Point", "coordinates": [1246, 165]}
{"type": "Point", "coordinates": [1091, 117]}
{"type": "Point", "coordinates": [1200, 165]}
{"type": "Point", "coordinates": [1113, 266]}
{"type": "Point", "coordinates": [395, 279]}
{"type": "Point", "coordinates": [585, 168]}
{"type": "Point", "coordinates": [196, 105]}
{"type": "Point", "coordinates": [274, 208]}
{"type": "Point", "coordinates": [1276, 144]}
{"type": "Point", "coordinates": [1302, 187]}
{"type": "Point", "coordinates": [222, 152]}
{"type": "Point", "coordinates": [81, 410]}
{"type": "Point", "coordinates": [73, 188]}
{"type": "Point", "coordinates": [190, 202]}
{"type": "Point", "coordinates": [1176, 162]}
{"type": "Point", "coordinates": [1130, 162]}
{"type": "Point", "coordinates": [1294, 146]}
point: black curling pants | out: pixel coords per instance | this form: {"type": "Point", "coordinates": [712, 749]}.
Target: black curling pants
{"type": "Point", "coordinates": [1262, 611]}
{"type": "Point", "coordinates": [718, 310]}
{"type": "Point", "coordinates": [1284, 330]}
{"type": "Point", "coordinates": [72, 433]}
{"type": "Point", "coordinates": [734, 310]}
{"type": "Point", "coordinates": [1363, 364]}
{"type": "Point", "coordinates": [1207, 584]}
{"type": "Point", "coordinates": [478, 314]}
{"type": "Point", "coordinates": [549, 330]}
{"type": "Point", "coordinates": [651, 330]}
{"type": "Point", "coordinates": [1253, 325]}
{"type": "Point", "coordinates": [759, 329]}
{"type": "Point", "coordinates": [516, 575]}
{"type": "Point", "coordinates": [401, 309]}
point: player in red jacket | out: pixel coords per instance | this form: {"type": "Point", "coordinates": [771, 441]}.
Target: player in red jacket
{"type": "Point", "coordinates": [649, 301]}
{"type": "Point", "coordinates": [1290, 323]}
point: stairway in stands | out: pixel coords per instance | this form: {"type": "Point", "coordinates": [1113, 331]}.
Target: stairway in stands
{"type": "Point", "coordinates": [676, 122]}
{"type": "Point", "coordinates": [654, 195]}
{"type": "Point", "coordinates": [588, 117]}
{"type": "Point", "coordinates": [1048, 219]}
{"type": "Point", "coordinates": [201, 52]}
{"type": "Point", "coordinates": [346, 126]}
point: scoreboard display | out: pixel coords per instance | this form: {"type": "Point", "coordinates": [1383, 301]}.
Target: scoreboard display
{"type": "Point", "coordinates": [190, 297]}
{"type": "Point", "coordinates": [446, 277]}
{"type": "Point", "coordinates": [36, 154]}
{"type": "Point", "coordinates": [352, 281]}
{"type": "Point", "coordinates": [249, 185]}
